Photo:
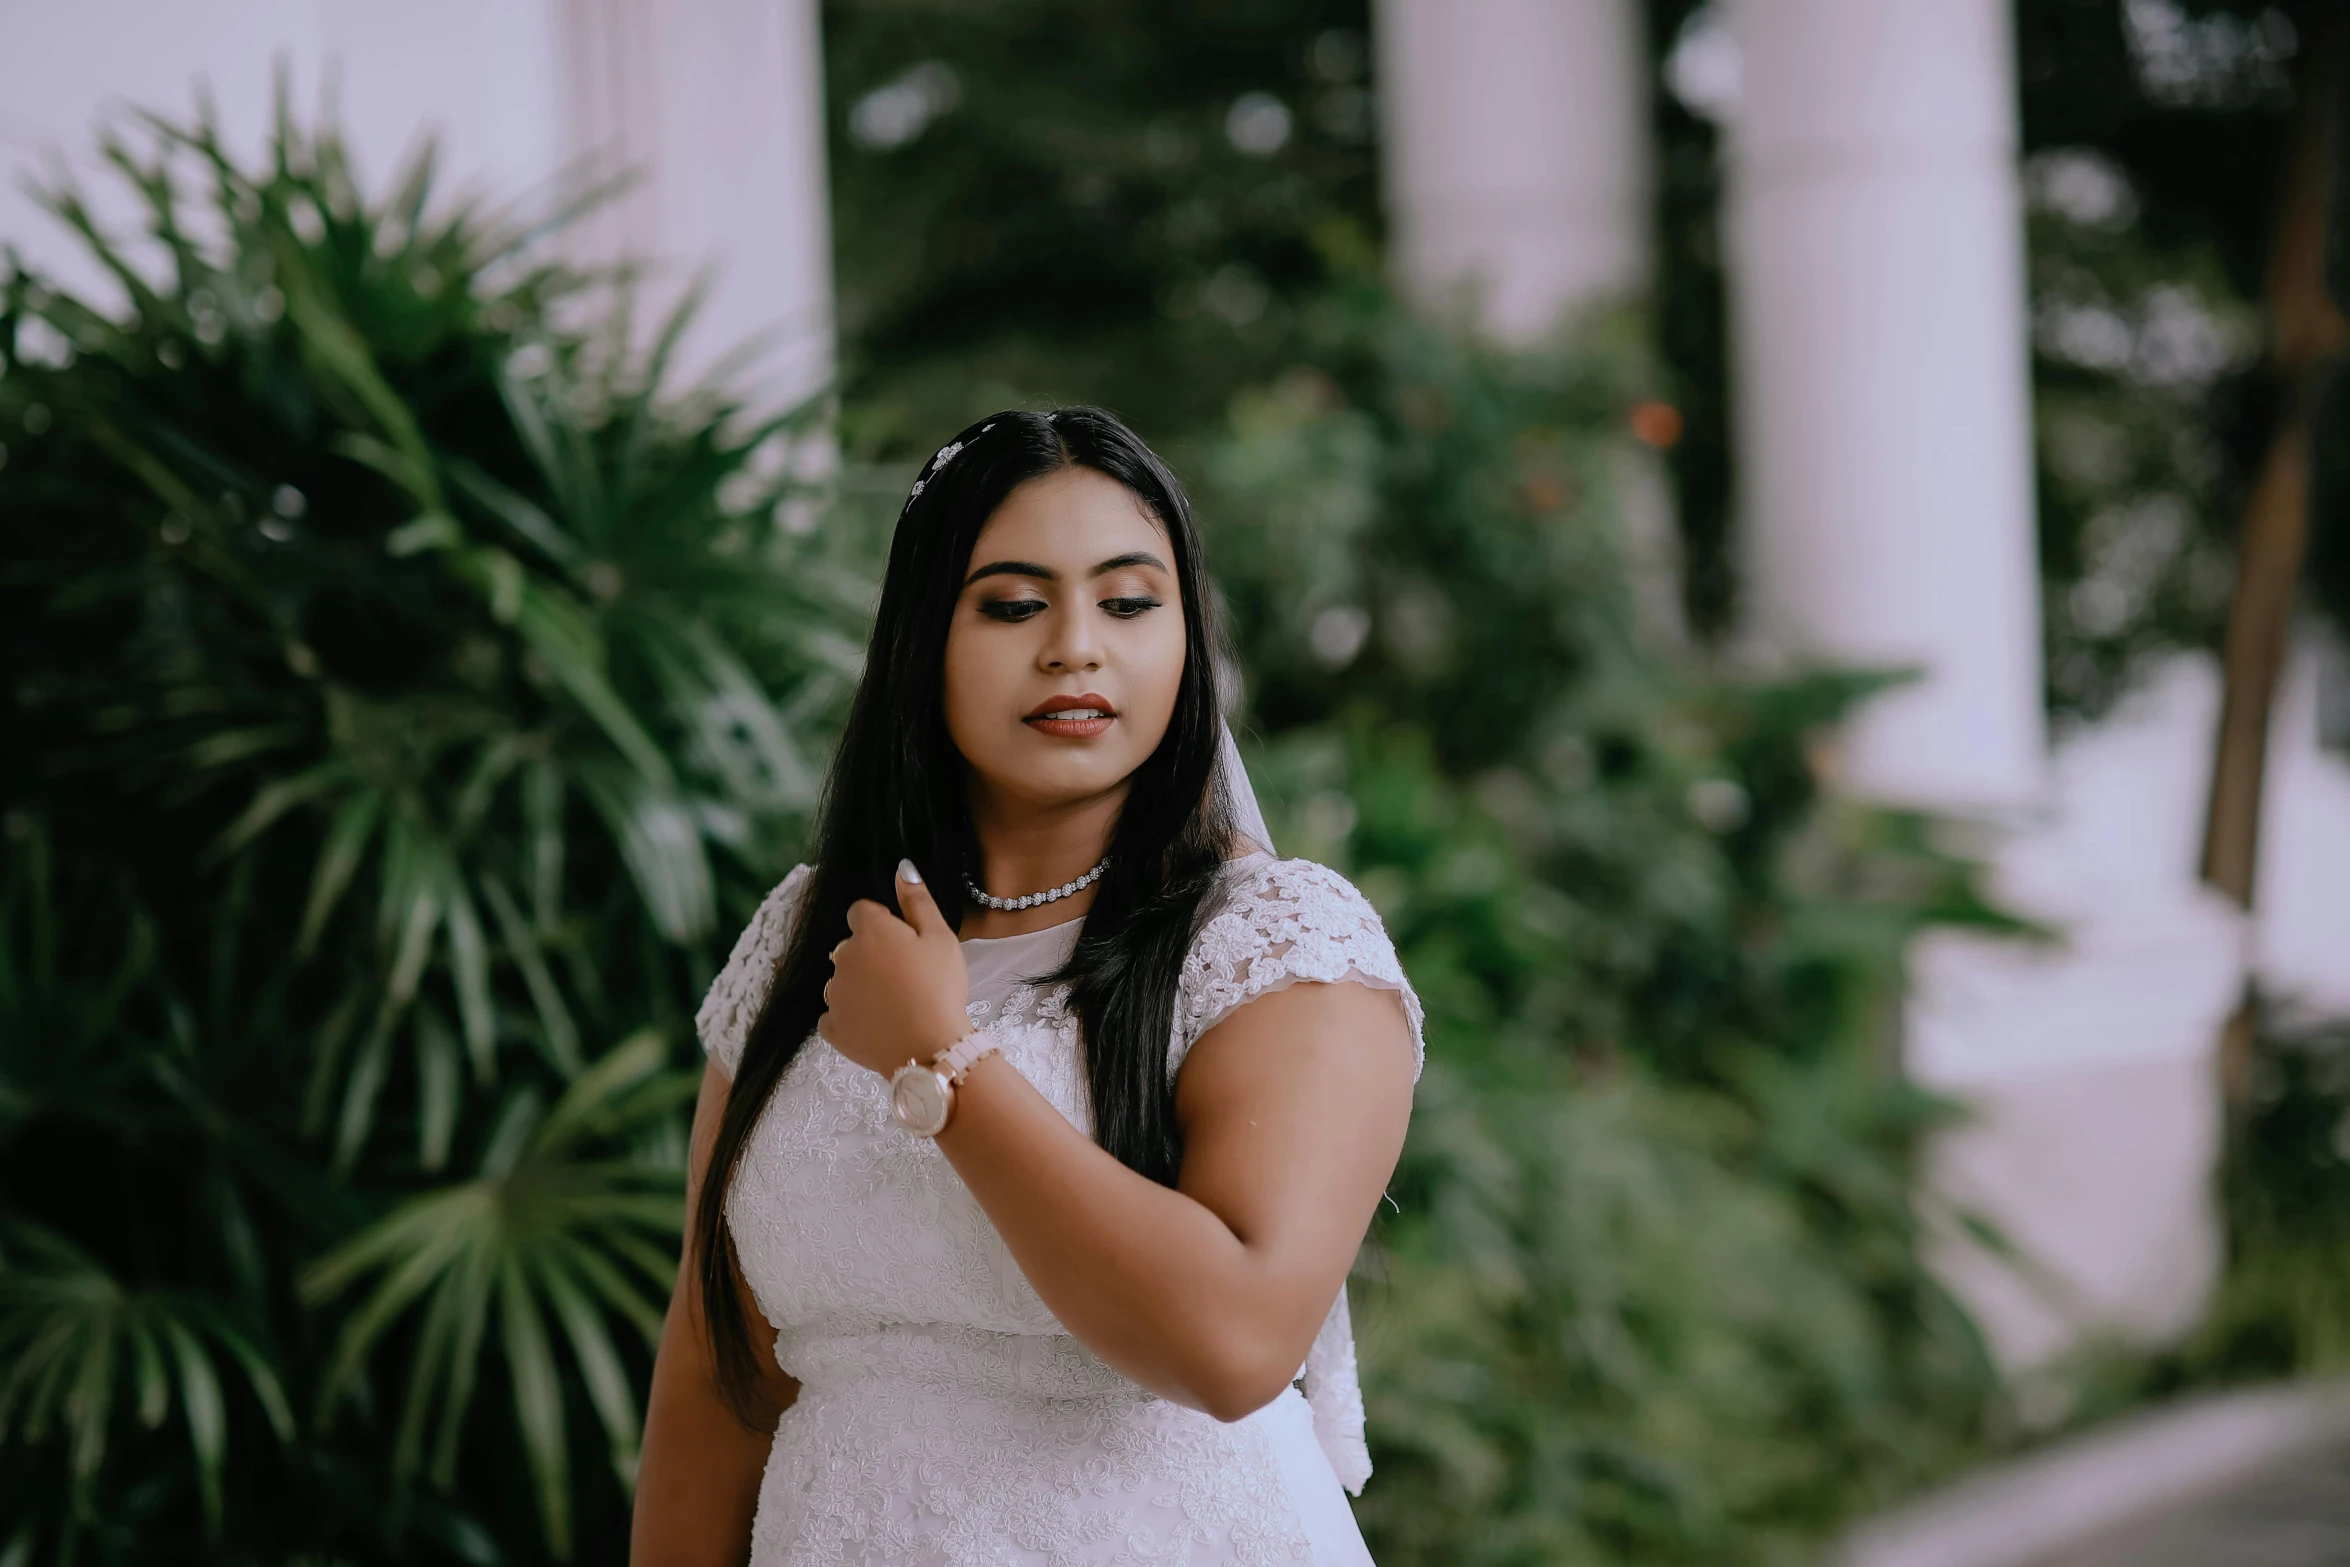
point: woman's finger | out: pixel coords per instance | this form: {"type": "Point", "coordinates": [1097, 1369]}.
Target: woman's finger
{"type": "Point", "coordinates": [915, 903]}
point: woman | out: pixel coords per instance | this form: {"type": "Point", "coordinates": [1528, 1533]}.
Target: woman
{"type": "Point", "coordinates": [1046, 1109]}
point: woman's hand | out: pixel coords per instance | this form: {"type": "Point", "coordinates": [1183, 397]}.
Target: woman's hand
{"type": "Point", "coordinates": [898, 986]}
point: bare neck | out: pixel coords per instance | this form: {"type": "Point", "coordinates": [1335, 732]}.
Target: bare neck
{"type": "Point", "coordinates": [1025, 848]}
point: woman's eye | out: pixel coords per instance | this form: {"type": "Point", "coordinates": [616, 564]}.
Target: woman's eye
{"type": "Point", "coordinates": [1128, 608]}
{"type": "Point", "coordinates": [1012, 611]}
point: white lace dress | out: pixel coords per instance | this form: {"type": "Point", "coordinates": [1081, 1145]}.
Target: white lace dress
{"type": "Point", "coordinates": [945, 1418]}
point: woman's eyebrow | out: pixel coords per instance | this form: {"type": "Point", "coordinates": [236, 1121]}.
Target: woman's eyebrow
{"type": "Point", "coordinates": [1029, 568]}
{"type": "Point", "coordinates": [1013, 568]}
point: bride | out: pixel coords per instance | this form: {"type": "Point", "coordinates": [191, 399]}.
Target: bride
{"type": "Point", "coordinates": [1046, 1108]}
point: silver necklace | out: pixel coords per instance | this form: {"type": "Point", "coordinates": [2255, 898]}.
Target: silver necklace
{"type": "Point", "coordinates": [1032, 900]}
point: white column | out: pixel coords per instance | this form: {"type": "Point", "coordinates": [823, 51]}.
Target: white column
{"type": "Point", "coordinates": [1880, 358]}
{"type": "Point", "coordinates": [1516, 154]}
{"type": "Point", "coordinates": [1880, 354]}
{"type": "Point", "coordinates": [717, 108]}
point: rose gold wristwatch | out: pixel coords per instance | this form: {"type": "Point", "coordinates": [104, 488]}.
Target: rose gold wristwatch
{"type": "Point", "coordinates": [922, 1096]}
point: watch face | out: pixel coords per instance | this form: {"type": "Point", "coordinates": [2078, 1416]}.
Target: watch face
{"type": "Point", "coordinates": [918, 1097]}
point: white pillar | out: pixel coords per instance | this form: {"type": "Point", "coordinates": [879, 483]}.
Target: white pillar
{"type": "Point", "coordinates": [1880, 353]}
{"type": "Point", "coordinates": [1880, 356]}
{"type": "Point", "coordinates": [717, 107]}
{"type": "Point", "coordinates": [1516, 154]}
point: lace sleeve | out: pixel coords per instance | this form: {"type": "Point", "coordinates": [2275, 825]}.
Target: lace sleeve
{"type": "Point", "coordinates": [740, 990]}
{"type": "Point", "coordinates": [1287, 922]}
{"type": "Point", "coordinates": [1283, 922]}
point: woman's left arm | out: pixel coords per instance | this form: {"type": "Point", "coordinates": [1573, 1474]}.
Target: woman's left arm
{"type": "Point", "coordinates": [1293, 1111]}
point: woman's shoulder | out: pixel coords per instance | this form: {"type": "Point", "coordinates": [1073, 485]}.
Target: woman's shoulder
{"type": "Point", "coordinates": [1277, 923]}
{"type": "Point", "coordinates": [739, 993]}
{"type": "Point", "coordinates": [1262, 890]}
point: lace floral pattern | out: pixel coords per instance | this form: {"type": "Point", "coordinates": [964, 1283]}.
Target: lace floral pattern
{"type": "Point", "coordinates": [946, 1419]}
{"type": "Point", "coordinates": [1288, 922]}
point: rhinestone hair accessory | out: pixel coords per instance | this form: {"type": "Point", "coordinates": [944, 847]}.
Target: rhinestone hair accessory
{"type": "Point", "coordinates": [942, 457]}
{"type": "Point", "coordinates": [1032, 900]}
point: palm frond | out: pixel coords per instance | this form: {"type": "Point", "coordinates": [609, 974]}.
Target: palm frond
{"type": "Point", "coordinates": [536, 1230]}
{"type": "Point", "coordinates": [661, 842]}
{"type": "Point", "coordinates": [73, 1334]}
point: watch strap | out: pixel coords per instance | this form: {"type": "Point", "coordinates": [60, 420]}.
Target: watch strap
{"type": "Point", "coordinates": [955, 1062]}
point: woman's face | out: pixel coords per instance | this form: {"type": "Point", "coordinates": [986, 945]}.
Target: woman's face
{"type": "Point", "coordinates": [1067, 646]}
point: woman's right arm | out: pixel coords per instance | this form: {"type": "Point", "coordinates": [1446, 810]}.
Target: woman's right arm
{"type": "Point", "coordinates": [697, 1480]}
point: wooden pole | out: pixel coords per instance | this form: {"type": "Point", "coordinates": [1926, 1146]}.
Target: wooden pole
{"type": "Point", "coordinates": [2305, 330]}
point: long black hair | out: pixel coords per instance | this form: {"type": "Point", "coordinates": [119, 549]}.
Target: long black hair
{"type": "Point", "coordinates": [897, 788]}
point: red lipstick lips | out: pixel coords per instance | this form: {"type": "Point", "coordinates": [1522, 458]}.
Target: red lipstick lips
{"type": "Point", "coordinates": [1079, 717]}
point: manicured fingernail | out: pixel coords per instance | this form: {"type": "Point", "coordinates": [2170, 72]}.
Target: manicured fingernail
{"type": "Point", "coordinates": [906, 872]}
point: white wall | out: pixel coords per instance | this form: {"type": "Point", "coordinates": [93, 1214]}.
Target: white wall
{"type": "Point", "coordinates": [484, 76]}
{"type": "Point", "coordinates": [2301, 895]}
{"type": "Point", "coordinates": [717, 102]}
{"type": "Point", "coordinates": [2089, 1064]}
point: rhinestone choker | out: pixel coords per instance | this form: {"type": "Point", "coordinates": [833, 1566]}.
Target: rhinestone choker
{"type": "Point", "coordinates": [1051, 895]}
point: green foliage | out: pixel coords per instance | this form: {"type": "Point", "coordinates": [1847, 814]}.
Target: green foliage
{"type": "Point", "coordinates": [1045, 200]}
{"type": "Point", "coordinates": [539, 1223]}
{"type": "Point", "coordinates": [1655, 1291]}
{"type": "Point", "coordinates": [2155, 150]}
{"type": "Point", "coordinates": [2138, 487]}
{"type": "Point", "coordinates": [69, 1328]}
{"type": "Point", "coordinates": [2329, 523]}
{"type": "Point", "coordinates": [409, 694]}
{"type": "Point", "coordinates": [2283, 1306]}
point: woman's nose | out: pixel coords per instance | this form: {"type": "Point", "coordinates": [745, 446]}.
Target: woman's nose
{"type": "Point", "coordinates": [1071, 643]}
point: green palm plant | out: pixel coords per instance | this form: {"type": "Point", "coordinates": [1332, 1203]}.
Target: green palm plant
{"type": "Point", "coordinates": [539, 1231]}
{"type": "Point", "coordinates": [94, 1358]}
{"type": "Point", "coordinates": [415, 686]}
{"type": "Point", "coordinates": [70, 1331]}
